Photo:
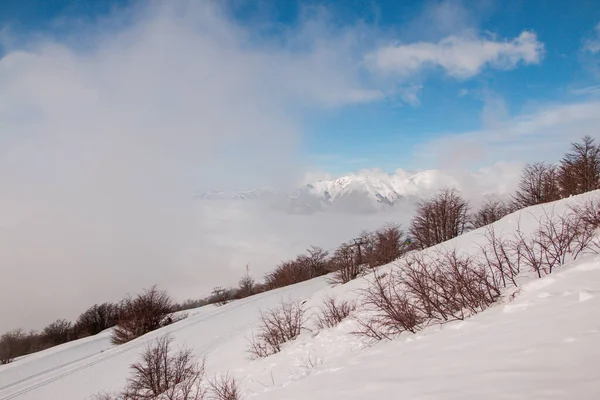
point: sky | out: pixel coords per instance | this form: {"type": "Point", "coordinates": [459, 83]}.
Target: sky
{"type": "Point", "coordinates": [114, 114]}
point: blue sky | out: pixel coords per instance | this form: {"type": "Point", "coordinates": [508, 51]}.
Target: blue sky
{"type": "Point", "coordinates": [404, 114]}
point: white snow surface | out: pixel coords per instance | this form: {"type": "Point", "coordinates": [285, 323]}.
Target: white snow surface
{"type": "Point", "coordinates": [543, 343]}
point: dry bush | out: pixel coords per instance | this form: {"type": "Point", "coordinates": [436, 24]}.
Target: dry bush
{"type": "Point", "coordinates": [144, 313]}
{"type": "Point", "coordinates": [346, 264]}
{"type": "Point", "coordinates": [334, 312]}
{"type": "Point", "coordinates": [587, 212]}
{"type": "Point", "coordinates": [389, 310]}
{"type": "Point", "coordinates": [502, 257]}
{"type": "Point", "coordinates": [558, 239]}
{"type": "Point", "coordinates": [490, 211]}
{"type": "Point", "coordinates": [440, 219]}
{"type": "Point", "coordinates": [277, 326]}
{"type": "Point", "coordinates": [440, 287]}
{"type": "Point", "coordinates": [97, 318]}
{"type": "Point", "coordinates": [447, 286]}
{"type": "Point", "coordinates": [579, 170]}
{"type": "Point", "coordinates": [556, 236]}
{"type": "Point", "coordinates": [537, 185]}
{"type": "Point", "coordinates": [163, 374]}
{"type": "Point", "coordinates": [224, 387]}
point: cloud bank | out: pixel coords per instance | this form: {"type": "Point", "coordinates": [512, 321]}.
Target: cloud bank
{"type": "Point", "coordinates": [107, 136]}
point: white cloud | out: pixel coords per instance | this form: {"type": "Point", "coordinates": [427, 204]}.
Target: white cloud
{"type": "Point", "coordinates": [410, 94]}
{"type": "Point", "coordinates": [460, 56]}
{"type": "Point", "coordinates": [592, 44]}
{"type": "Point", "coordinates": [540, 135]}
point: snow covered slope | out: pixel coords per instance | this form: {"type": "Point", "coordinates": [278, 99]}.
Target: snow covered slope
{"type": "Point", "coordinates": [543, 344]}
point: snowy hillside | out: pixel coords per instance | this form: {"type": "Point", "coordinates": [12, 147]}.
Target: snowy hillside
{"type": "Point", "coordinates": [372, 190]}
{"type": "Point", "coordinates": [541, 341]}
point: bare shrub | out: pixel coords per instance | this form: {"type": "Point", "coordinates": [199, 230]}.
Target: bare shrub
{"type": "Point", "coordinates": [163, 374]}
{"type": "Point", "coordinates": [579, 170]}
{"type": "Point", "coordinates": [501, 256]}
{"type": "Point", "coordinates": [448, 286]}
{"type": "Point", "coordinates": [556, 236]}
{"type": "Point", "coordinates": [438, 287]}
{"type": "Point", "coordinates": [346, 265]}
{"type": "Point", "coordinates": [588, 212]}
{"type": "Point", "coordinates": [144, 313]}
{"type": "Point", "coordinates": [557, 240]}
{"type": "Point", "coordinates": [224, 387]}
{"type": "Point", "coordinates": [389, 310]}
{"type": "Point", "coordinates": [277, 326]}
{"type": "Point", "coordinates": [537, 185]}
{"type": "Point", "coordinates": [334, 312]}
{"type": "Point", "coordinates": [440, 219]}
{"type": "Point", "coordinates": [97, 318]}
{"type": "Point", "coordinates": [490, 211]}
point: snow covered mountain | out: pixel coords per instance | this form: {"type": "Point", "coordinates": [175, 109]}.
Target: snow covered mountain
{"type": "Point", "coordinates": [375, 190]}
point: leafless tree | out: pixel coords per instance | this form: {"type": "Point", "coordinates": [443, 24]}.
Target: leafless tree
{"type": "Point", "coordinates": [538, 184]}
{"type": "Point", "coordinates": [439, 219]}
{"type": "Point", "coordinates": [345, 263]}
{"type": "Point", "coordinates": [490, 211]}
{"type": "Point", "coordinates": [58, 332]}
{"type": "Point", "coordinates": [315, 261]}
{"type": "Point", "coordinates": [332, 312]}
{"type": "Point", "coordinates": [287, 273]}
{"type": "Point", "coordinates": [277, 326]}
{"type": "Point", "coordinates": [97, 318]}
{"type": "Point", "coordinates": [579, 170]}
{"type": "Point", "coordinates": [163, 374]}
{"type": "Point", "coordinates": [246, 285]}
{"type": "Point", "coordinates": [224, 387]}
{"type": "Point", "coordinates": [144, 313]}
{"type": "Point", "coordinates": [389, 244]}
{"type": "Point", "coordinates": [11, 345]}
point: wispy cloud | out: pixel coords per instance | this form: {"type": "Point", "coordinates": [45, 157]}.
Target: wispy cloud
{"type": "Point", "coordinates": [587, 90]}
{"type": "Point", "coordinates": [592, 44]}
{"type": "Point", "coordinates": [459, 56]}
{"type": "Point", "coordinates": [542, 135]}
